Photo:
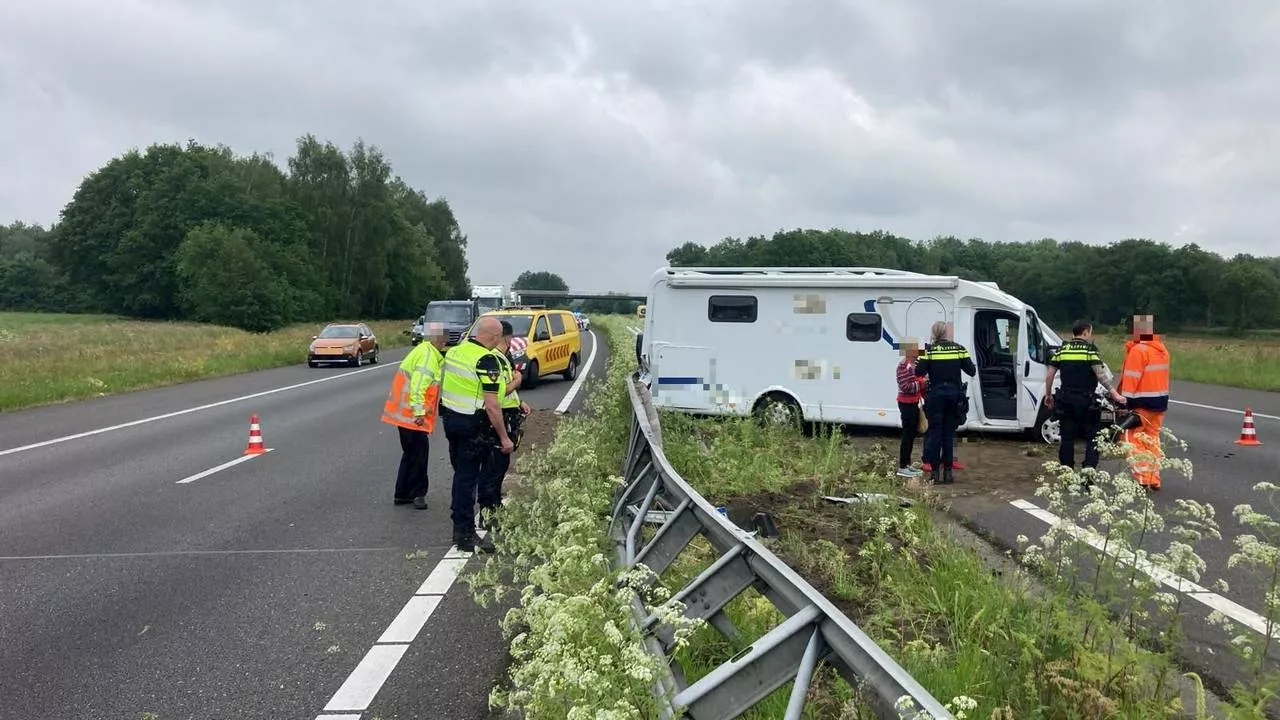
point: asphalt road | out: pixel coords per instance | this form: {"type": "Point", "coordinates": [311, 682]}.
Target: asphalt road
{"type": "Point", "coordinates": [1208, 418]}
{"type": "Point", "coordinates": [266, 589]}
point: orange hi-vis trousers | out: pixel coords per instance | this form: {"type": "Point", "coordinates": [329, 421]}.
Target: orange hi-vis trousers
{"type": "Point", "coordinates": [1145, 442]}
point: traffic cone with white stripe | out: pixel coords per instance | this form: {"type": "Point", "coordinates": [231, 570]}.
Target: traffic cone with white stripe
{"type": "Point", "coordinates": [1248, 433]}
{"type": "Point", "coordinates": [255, 446]}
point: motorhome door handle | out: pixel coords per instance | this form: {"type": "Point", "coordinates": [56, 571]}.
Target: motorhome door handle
{"type": "Point", "coordinates": [1026, 368]}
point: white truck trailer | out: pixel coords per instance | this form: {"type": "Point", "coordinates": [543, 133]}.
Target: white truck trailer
{"type": "Point", "coordinates": [823, 344]}
{"type": "Point", "coordinates": [489, 297]}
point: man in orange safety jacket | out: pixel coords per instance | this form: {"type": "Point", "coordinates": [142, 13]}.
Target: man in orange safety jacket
{"type": "Point", "coordinates": [411, 406]}
{"type": "Point", "coordinates": [1144, 383]}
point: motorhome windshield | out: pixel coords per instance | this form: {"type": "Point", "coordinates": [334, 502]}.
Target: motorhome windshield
{"type": "Point", "coordinates": [451, 314]}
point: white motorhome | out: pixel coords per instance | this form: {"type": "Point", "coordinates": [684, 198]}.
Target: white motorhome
{"type": "Point", "coordinates": [823, 343]}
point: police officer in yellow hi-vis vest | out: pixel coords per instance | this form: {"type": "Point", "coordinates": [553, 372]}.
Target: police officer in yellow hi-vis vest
{"type": "Point", "coordinates": [469, 405]}
{"type": "Point", "coordinates": [514, 411]}
{"type": "Point", "coordinates": [411, 406]}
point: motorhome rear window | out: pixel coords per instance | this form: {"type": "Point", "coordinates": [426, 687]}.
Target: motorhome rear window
{"type": "Point", "coordinates": [731, 308]}
{"type": "Point", "coordinates": [862, 327]}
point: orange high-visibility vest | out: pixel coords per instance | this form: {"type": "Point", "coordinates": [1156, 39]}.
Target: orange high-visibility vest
{"type": "Point", "coordinates": [1144, 379]}
{"type": "Point", "coordinates": [415, 389]}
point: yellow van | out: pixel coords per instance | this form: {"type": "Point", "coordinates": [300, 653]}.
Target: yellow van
{"type": "Point", "coordinates": [544, 342]}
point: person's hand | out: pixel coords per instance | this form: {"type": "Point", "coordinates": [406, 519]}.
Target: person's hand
{"type": "Point", "coordinates": [1048, 401]}
{"type": "Point", "coordinates": [420, 420]}
{"type": "Point", "coordinates": [524, 408]}
{"type": "Point", "coordinates": [1119, 398]}
{"type": "Point", "coordinates": [508, 447]}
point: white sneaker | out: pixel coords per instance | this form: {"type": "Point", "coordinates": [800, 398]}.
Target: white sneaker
{"type": "Point", "coordinates": [907, 472]}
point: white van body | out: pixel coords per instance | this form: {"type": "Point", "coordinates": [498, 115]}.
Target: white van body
{"type": "Point", "coordinates": [722, 341]}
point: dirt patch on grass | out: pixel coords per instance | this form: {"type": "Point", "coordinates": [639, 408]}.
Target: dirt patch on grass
{"type": "Point", "coordinates": [539, 430]}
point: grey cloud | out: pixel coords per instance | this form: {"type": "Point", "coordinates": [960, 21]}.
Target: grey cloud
{"type": "Point", "coordinates": [590, 138]}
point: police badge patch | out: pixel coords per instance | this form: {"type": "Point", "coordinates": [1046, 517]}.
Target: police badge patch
{"type": "Point", "coordinates": [494, 375]}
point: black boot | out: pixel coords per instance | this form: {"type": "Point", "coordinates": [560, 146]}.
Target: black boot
{"type": "Point", "coordinates": [933, 475]}
{"type": "Point", "coordinates": [947, 477]}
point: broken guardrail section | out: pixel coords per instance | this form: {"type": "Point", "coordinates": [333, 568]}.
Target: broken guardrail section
{"type": "Point", "coordinates": [814, 631]}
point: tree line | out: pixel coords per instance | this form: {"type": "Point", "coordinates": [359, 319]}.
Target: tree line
{"type": "Point", "coordinates": [1185, 287]}
{"type": "Point", "coordinates": [198, 233]}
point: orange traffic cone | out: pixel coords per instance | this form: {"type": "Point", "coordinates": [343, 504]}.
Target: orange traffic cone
{"type": "Point", "coordinates": [1248, 433]}
{"type": "Point", "coordinates": [255, 446]}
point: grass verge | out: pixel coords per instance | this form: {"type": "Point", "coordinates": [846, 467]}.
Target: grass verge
{"type": "Point", "coordinates": [575, 653]}
{"type": "Point", "coordinates": [1082, 637]}
{"type": "Point", "coordinates": [1250, 363]}
{"type": "Point", "coordinates": [49, 358]}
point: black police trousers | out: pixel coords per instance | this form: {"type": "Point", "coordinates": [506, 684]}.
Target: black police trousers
{"type": "Point", "coordinates": [942, 410]}
{"type": "Point", "coordinates": [467, 455]}
{"type": "Point", "coordinates": [496, 463]}
{"type": "Point", "coordinates": [1079, 418]}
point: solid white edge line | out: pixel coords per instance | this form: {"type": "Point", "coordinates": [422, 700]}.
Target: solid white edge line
{"type": "Point", "coordinates": [367, 679]}
{"type": "Point", "coordinates": [442, 577]}
{"type": "Point", "coordinates": [176, 413]}
{"type": "Point", "coordinates": [1212, 600]}
{"type": "Point", "coordinates": [223, 466]}
{"type": "Point", "coordinates": [582, 376]}
{"type": "Point", "coordinates": [1225, 410]}
{"type": "Point", "coordinates": [344, 716]}
{"type": "Point", "coordinates": [412, 617]}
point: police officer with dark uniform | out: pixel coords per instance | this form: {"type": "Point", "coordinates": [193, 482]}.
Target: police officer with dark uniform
{"type": "Point", "coordinates": [514, 411]}
{"type": "Point", "coordinates": [1075, 404]}
{"type": "Point", "coordinates": [945, 402]}
{"type": "Point", "coordinates": [470, 407]}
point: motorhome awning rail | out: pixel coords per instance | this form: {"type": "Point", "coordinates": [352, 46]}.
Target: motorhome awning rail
{"type": "Point", "coordinates": [813, 279]}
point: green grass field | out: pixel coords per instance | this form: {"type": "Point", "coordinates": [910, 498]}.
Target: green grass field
{"type": "Point", "coordinates": [1252, 363]}
{"type": "Point", "coordinates": [47, 358]}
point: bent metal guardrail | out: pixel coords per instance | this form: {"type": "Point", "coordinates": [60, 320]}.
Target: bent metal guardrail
{"type": "Point", "coordinates": [814, 631]}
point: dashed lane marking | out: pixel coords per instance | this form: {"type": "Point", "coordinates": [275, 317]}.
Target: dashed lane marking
{"type": "Point", "coordinates": [209, 406]}
{"type": "Point", "coordinates": [583, 372]}
{"type": "Point", "coordinates": [368, 677]}
{"type": "Point", "coordinates": [1204, 596]}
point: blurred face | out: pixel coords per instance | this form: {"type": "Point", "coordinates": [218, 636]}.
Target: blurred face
{"type": "Point", "coordinates": [504, 343]}
{"type": "Point", "coordinates": [910, 350]}
{"type": "Point", "coordinates": [1143, 326]}
{"type": "Point", "coordinates": [435, 334]}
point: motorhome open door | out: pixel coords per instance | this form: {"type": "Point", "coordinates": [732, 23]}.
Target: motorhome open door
{"type": "Point", "coordinates": [1033, 356]}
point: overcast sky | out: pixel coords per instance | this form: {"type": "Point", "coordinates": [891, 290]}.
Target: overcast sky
{"type": "Point", "coordinates": [588, 138]}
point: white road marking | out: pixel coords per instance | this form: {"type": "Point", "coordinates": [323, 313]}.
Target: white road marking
{"type": "Point", "coordinates": [363, 684]}
{"type": "Point", "coordinates": [223, 466]}
{"type": "Point", "coordinates": [366, 680]}
{"type": "Point", "coordinates": [412, 617]}
{"type": "Point", "coordinates": [1211, 599]}
{"type": "Point", "coordinates": [1225, 410]}
{"type": "Point", "coordinates": [438, 582]}
{"type": "Point", "coordinates": [344, 716]}
{"type": "Point", "coordinates": [210, 406]}
{"type": "Point", "coordinates": [583, 372]}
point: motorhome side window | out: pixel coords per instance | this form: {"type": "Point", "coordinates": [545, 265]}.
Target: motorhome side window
{"type": "Point", "coordinates": [731, 308]}
{"type": "Point", "coordinates": [862, 327]}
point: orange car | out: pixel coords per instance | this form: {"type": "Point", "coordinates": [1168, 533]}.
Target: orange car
{"type": "Point", "coordinates": [350, 343]}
